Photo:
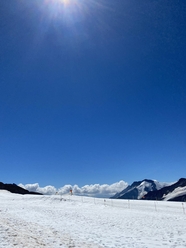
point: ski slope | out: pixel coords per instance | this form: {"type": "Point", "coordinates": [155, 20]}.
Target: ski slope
{"type": "Point", "coordinates": [74, 221]}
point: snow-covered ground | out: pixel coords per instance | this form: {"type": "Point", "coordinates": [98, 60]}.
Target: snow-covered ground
{"type": "Point", "coordinates": [74, 221]}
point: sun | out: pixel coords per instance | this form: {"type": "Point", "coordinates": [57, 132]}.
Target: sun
{"type": "Point", "coordinates": [54, 2]}
{"type": "Point", "coordinates": [65, 2]}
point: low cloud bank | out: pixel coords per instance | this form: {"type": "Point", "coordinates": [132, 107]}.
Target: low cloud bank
{"type": "Point", "coordinates": [93, 190]}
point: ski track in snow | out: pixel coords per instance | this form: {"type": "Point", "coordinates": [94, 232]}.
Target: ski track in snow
{"type": "Point", "coordinates": [82, 222]}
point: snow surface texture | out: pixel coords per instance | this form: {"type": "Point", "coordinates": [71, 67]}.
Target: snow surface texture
{"type": "Point", "coordinates": [75, 221]}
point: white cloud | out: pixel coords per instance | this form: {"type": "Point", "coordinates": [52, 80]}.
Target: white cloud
{"type": "Point", "coordinates": [47, 190]}
{"type": "Point", "coordinates": [94, 190]}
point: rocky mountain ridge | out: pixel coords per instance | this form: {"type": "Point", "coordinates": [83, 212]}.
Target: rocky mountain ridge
{"type": "Point", "coordinates": [175, 191]}
{"type": "Point", "coordinates": [13, 188]}
{"type": "Point", "coordinates": [153, 190]}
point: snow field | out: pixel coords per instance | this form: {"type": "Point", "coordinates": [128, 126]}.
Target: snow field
{"type": "Point", "coordinates": [75, 221]}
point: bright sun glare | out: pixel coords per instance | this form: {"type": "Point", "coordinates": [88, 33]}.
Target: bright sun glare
{"type": "Point", "coordinates": [64, 2]}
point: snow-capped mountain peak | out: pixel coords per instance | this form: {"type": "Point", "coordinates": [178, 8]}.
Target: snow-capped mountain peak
{"type": "Point", "coordinates": [138, 189]}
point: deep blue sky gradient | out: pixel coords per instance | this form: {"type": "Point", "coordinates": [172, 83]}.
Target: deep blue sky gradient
{"type": "Point", "coordinates": [92, 91]}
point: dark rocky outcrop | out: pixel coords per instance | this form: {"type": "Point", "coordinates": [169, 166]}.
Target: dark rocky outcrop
{"type": "Point", "coordinates": [13, 188]}
{"type": "Point", "coordinates": [179, 198]}
{"type": "Point", "coordinates": [159, 194]}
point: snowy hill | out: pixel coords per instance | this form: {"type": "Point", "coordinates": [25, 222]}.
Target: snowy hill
{"type": "Point", "coordinates": [30, 221]}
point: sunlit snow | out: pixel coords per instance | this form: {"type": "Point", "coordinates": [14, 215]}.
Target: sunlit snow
{"type": "Point", "coordinates": [77, 221]}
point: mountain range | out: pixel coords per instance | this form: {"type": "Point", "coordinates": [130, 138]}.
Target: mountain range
{"type": "Point", "coordinates": [148, 189]}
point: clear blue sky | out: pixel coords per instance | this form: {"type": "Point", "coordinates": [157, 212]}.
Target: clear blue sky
{"type": "Point", "coordinates": [92, 91]}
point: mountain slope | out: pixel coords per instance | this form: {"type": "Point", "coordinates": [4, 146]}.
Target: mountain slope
{"type": "Point", "coordinates": [13, 188]}
{"type": "Point", "coordinates": [153, 190]}
{"type": "Point", "coordinates": [165, 192]}
{"type": "Point", "coordinates": [138, 189]}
